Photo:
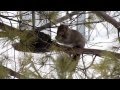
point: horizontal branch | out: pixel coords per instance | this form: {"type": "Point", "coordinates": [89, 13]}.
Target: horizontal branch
{"type": "Point", "coordinates": [99, 52]}
{"type": "Point", "coordinates": [69, 50]}
{"type": "Point", "coordinates": [96, 52]}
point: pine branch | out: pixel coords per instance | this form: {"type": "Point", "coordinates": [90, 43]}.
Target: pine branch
{"type": "Point", "coordinates": [13, 73]}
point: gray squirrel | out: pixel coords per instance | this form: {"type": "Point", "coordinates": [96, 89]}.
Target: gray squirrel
{"type": "Point", "coordinates": [71, 37]}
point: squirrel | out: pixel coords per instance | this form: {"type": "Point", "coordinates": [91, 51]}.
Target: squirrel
{"type": "Point", "coordinates": [71, 37]}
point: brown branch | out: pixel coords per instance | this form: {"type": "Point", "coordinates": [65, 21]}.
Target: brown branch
{"type": "Point", "coordinates": [96, 52]}
{"type": "Point", "coordinates": [13, 73]}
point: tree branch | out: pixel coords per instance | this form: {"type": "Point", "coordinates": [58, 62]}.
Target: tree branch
{"type": "Point", "coordinates": [84, 51]}
{"type": "Point", "coordinates": [69, 50]}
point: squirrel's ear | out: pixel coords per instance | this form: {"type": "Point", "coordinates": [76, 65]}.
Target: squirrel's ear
{"type": "Point", "coordinates": [64, 27]}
